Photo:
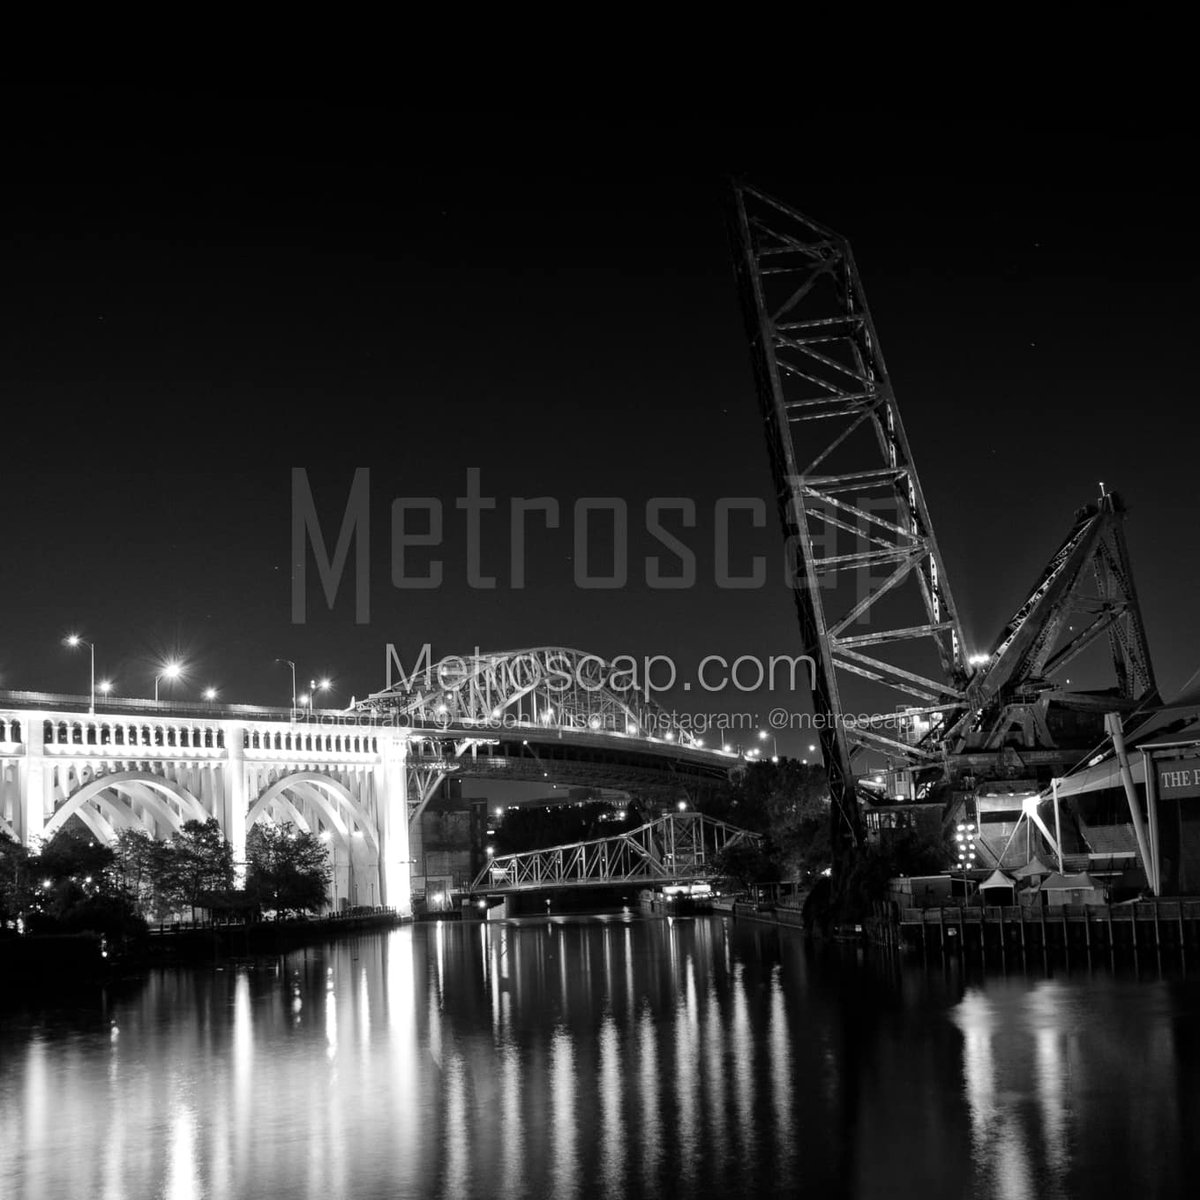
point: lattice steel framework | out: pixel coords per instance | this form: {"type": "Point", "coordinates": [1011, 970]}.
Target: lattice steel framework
{"type": "Point", "coordinates": [678, 848]}
{"type": "Point", "coordinates": [1088, 580]}
{"type": "Point", "coordinates": [842, 468]}
{"type": "Point", "coordinates": [544, 688]}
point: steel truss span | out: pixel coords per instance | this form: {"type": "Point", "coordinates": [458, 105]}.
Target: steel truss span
{"type": "Point", "coordinates": [846, 488]}
{"type": "Point", "coordinates": [678, 848]}
{"type": "Point", "coordinates": [1085, 595]}
{"type": "Point", "coordinates": [546, 688]}
{"type": "Point", "coordinates": [871, 589]}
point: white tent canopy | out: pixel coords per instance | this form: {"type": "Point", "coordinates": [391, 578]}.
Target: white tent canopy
{"type": "Point", "coordinates": [998, 879]}
{"type": "Point", "coordinates": [1105, 774]}
{"type": "Point", "coordinates": [1034, 866]}
{"type": "Point", "coordinates": [1068, 883]}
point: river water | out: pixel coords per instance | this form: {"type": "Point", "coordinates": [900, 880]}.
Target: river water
{"type": "Point", "coordinates": [606, 1056]}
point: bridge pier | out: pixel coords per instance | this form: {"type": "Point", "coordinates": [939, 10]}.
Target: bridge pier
{"type": "Point", "coordinates": [391, 799]}
{"type": "Point", "coordinates": [237, 801]}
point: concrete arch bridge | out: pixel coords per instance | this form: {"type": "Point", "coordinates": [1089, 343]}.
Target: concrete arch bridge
{"type": "Point", "coordinates": [358, 778]}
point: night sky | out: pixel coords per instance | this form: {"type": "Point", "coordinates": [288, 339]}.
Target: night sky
{"type": "Point", "coordinates": [203, 291]}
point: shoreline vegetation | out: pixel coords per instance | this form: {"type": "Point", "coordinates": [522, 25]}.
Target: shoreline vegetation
{"type": "Point", "coordinates": [33, 959]}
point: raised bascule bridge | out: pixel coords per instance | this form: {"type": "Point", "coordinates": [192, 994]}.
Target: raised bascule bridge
{"type": "Point", "coordinates": [976, 735]}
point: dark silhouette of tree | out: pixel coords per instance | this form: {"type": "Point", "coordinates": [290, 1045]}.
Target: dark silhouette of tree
{"type": "Point", "coordinates": [287, 871]}
{"type": "Point", "coordinates": [16, 885]}
{"type": "Point", "coordinates": [197, 861]}
{"type": "Point", "coordinates": [788, 802]}
{"type": "Point", "coordinates": [746, 863]}
{"type": "Point", "coordinates": [535, 826]}
{"type": "Point", "coordinates": [141, 864]}
{"type": "Point", "coordinates": [71, 886]}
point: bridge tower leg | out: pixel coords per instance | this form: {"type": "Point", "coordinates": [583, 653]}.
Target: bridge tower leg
{"type": "Point", "coordinates": [31, 811]}
{"type": "Point", "coordinates": [237, 802]}
{"type": "Point", "coordinates": [391, 795]}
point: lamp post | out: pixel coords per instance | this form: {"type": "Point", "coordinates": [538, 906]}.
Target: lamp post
{"type": "Point", "coordinates": [170, 670]}
{"type": "Point", "coordinates": [73, 641]}
{"type": "Point", "coordinates": [315, 686]}
{"type": "Point", "coordinates": [291, 664]}
{"type": "Point", "coordinates": [762, 737]}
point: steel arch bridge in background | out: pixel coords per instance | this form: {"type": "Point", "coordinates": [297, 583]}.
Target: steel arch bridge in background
{"type": "Point", "coordinates": [678, 848]}
{"type": "Point", "coordinates": [551, 688]}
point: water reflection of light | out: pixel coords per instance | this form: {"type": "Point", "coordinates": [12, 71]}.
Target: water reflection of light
{"type": "Point", "coordinates": [563, 1083]}
{"type": "Point", "coordinates": [561, 950]}
{"type": "Point", "coordinates": [493, 974]}
{"type": "Point", "coordinates": [243, 1065]}
{"type": "Point", "coordinates": [651, 1121]}
{"type": "Point", "coordinates": [182, 1181]}
{"type": "Point", "coordinates": [781, 1075]}
{"type": "Point", "coordinates": [687, 1082]}
{"type": "Point", "coordinates": [612, 1151]}
{"type": "Point", "coordinates": [999, 1149]}
{"type": "Point", "coordinates": [115, 1144]}
{"type": "Point", "coordinates": [403, 1082]}
{"type": "Point", "coordinates": [742, 1039]}
{"type": "Point", "coordinates": [628, 969]}
{"type": "Point", "coordinates": [512, 1132]}
{"type": "Point", "coordinates": [714, 1071]}
{"type": "Point", "coordinates": [439, 942]}
{"type": "Point", "coordinates": [1051, 1092]}
{"type": "Point", "coordinates": [364, 1011]}
{"type": "Point", "coordinates": [331, 1020]}
{"type": "Point", "coordinates": [606, 941]}
{"type": "Point", "coordinates": [455, 1138]}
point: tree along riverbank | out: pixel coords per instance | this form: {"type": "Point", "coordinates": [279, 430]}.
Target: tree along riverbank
{"type": "Point", "coordinates": [28, 961]}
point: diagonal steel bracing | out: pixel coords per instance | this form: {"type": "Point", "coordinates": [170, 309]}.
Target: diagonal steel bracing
{"type": "Point", "coordinates": [677, 848]}
{"type": "Point", "coordinates": [834, 432]}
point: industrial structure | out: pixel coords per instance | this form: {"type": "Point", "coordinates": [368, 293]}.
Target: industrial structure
{"type": "Point", "coordinates": [976, 735]}
{"type": "Point", "coordinates": [676, 849]}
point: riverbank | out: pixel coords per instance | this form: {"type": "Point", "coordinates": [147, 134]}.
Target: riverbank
{"type": "Point", "coordinates": [32, 959]}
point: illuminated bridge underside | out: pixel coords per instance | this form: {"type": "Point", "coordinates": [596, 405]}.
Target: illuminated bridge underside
{"type": "Point", "coordinates": [674, 849]}
{"type": "Point", "coordinates": [551, 688]}
{"type": "Point", "coordinates": [548, 714]}
{"type": "Point", "coordinates": [649, 776]}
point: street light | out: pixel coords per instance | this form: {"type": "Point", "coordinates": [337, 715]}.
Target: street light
{"type": "Point", "coordinates": [314, 687]}
{"type": "Point", "coordinates": [73, 641]}
{"type": "Point", "coordinates": [210, 693]}
{"type": "Point", "coordinates": [104, 686]}
{"type": "Point", "coordinates": [171, 670]}
{"type": "Point", "coordinates": [293, 666]}
{"type": "Point", "coordinates": [762, 737]}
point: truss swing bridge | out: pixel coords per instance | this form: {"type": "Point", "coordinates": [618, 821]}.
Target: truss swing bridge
{"type": "Point", "coordinates": [679, 848]}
